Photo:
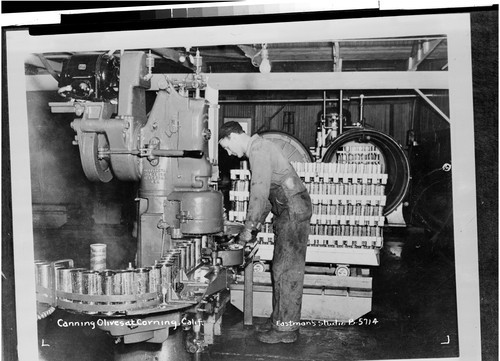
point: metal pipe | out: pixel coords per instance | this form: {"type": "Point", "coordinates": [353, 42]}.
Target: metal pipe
{"type": "Point", "coordinates": [341, 120]}
{"type": "Point", "coordinates": [317, 100]}
{"type": "Point", "coordinates": [361, 110]}
{"type": "Point", "coordinates": [324, 105]}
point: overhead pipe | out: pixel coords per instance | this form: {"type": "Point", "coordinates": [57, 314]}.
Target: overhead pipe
{"type": "Point", "coordinates": [317, 100]}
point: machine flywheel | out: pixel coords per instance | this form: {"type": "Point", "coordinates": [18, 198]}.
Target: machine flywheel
{"type": "Point", "coordinates": [96, 168]}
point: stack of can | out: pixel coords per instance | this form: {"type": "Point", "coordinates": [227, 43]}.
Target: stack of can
{"type": "Point", "coordinates": [348, 198]}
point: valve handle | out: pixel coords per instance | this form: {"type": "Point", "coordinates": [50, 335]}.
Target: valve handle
{"type": "Point", "coordinates": [177, 153]}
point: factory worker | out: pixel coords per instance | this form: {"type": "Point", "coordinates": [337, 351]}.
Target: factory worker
{"type": "Point", "coordinates": [275, 187]}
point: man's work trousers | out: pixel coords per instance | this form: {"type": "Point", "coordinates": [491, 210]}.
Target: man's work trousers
{"type": "Point", "coordinates": [288, 266]}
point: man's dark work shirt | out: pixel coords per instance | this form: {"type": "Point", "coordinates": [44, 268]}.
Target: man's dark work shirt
{"type": "Point", "coordinates": [270, 168]}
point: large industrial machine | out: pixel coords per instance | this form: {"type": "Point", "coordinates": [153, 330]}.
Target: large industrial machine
{"type": "Point", "coordinates": [186, 254]}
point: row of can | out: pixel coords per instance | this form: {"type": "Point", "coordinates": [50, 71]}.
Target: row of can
{"type": "Point", "coordinates": [133, 281]}
{"type": "Point", "coordinates": [328, 192]}
{"type": "Point", "coordinates": [366, 147]}
{"type": "Point", "coordinates": [328, 207]}
{"type": "Point", "coordinates": [345, 230]}
{"type": "Point", "coordinates": [342, 165]}
{"type": "Point", "coordinates": [361, 189]}
{"type": "Point", "coordinates": [366, 210]}
{"type": "Point", "coordinates": [320, 210]}
{"type": "Point", "coordinates": [358, 155]}
{"type": "Point", "coordinates": [332, 241]}
{"type": "Point", "coordinates": [340, 170]}
{"type": "Point", "coordinates": [372, 242]}
{"type": "Point", "coordinates": [163, 276]}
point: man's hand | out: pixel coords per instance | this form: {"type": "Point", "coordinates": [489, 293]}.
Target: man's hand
{"type": "Point", "coordinates": [247, 239]}
{"type": "Point", "coordinates": [245, 236]}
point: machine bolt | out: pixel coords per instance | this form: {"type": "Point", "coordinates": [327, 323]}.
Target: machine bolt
{"type": "Point", "coordinates": [79, 109]}
{"type": "Point", "coordinates": [162, 84]}
{"type": "Point", "coordinates": [163, 225]}
{"type": "Point", "coordinates": [154, 126]}
{"type": "Point", "coordinates": [446, 167]}
{"type": "Point", "coordinates": [207, 134]}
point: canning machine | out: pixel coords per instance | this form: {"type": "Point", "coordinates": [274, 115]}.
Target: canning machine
{"type": "Point", "coordinates": [186, 254]}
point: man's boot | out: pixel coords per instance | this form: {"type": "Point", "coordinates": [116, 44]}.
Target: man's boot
{"type": "Point", "coordinates": [275, 336]}
{"type": "Point", "coordinates": [264, 327]}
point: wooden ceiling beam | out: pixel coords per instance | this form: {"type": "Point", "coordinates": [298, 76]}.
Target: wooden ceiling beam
{"type": "Point", "coordinates": [294, 81]}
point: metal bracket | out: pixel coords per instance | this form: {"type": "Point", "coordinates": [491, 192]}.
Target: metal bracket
{"type": "Point", "coordinates": [423, 50]}
{"type": "Point", "coordinates": [434, 106]}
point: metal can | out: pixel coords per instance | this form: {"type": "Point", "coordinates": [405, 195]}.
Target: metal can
{"type": "Point", "coordinates": [188, 256]}
{"type": "Point", "coordinates": [182, 250]}
{"type": "Point", "coordinates": [43, 271]}
{"type": "Point", "coordinates": [194, 263]}
{"type": "Point", "coordinates": [64, 280]}
{"type": "Point", "coordinates": [154, 278]}
{"type": "Point", "coordinates": [77, 280]}
{"type": "Point", "coordinates": [197, 250]}
{"type": "Point", "coordinates": [124, 282]}
{"type": "Point", "coordinates": [107, 281]}
{"type": "Point", "coordinates": [117, 282]}
{"type": "Point", "coordinates": [166, 273]}
{"type": "Point", "coordinates": [91, 283]}
{"type": "Point", "coordinates": [141, 281]}
{"type": "Point", "coordinates": [174, 260]}
{"type": "Point", "coordinates": [98, 257]}
{"type": "Point", "coordinates": [204, 242]}
{"type": "Point", "coordinates": [167, 279]}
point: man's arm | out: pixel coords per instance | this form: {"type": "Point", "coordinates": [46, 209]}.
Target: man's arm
{"type": "Point", "coordinates": [261, 166]}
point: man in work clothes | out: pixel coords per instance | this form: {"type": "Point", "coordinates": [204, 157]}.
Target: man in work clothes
{"type": "Point", "coordinates": [275, 187]}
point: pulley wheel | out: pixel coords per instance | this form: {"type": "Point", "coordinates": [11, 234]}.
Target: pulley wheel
{"type": "Point", "coordinates": [293, 148]}
{"type": "Point", "coordinates": [394, 163]}
{"type": "Point", "coordinates": [96, 170]}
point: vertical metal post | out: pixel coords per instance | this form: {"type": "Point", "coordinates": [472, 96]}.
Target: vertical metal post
{"type": "Point", "coordinates": [212, 96]}
{"type": "Point", "coordinates": [248, 294]}
{"type": "Point", "coordinates": [341, 111]}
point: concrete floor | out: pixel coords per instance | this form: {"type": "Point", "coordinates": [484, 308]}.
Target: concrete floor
{"type": "Point", "coordinates": [413, 302]}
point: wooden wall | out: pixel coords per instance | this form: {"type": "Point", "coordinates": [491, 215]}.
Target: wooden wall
{"type": "Point", "coordinates": [391, 116]}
